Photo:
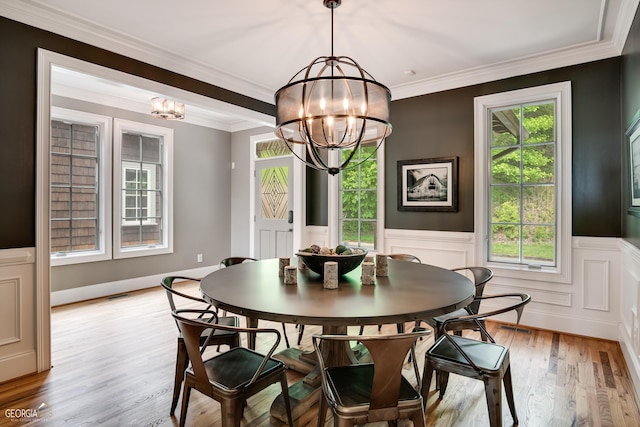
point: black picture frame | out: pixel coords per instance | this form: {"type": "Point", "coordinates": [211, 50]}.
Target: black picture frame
{"type": "Point", "coordinates": [633, 141]}
{"type": "Point", "coordinates": [428, 184]}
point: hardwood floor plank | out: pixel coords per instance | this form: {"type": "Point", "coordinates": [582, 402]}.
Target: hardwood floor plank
{"type": "Point", "coordinates": [114, 360]}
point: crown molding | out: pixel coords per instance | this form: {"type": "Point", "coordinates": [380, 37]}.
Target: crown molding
{"type": "Point", "coordinates": [39, 15]}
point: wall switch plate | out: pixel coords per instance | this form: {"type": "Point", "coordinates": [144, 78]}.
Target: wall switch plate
{"type": "Point", "coordinates": [199, 258]}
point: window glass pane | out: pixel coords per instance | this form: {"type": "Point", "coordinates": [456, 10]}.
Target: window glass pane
{"type": "Point", "coordinates": [84, 237]}
{"type": "Point", "coordinates": [84, 203]}
{"type": "Point", "coordinates": [505, 243]}
{"type": "Point", "coordinates": [151, 149]}
{"type": "Point", "coordinates": [505, 166]}
{"type": "Point", "coordinates": [505, 126]}
{"type": "Point", "coordinates": [538, 205]}
{"type": "Point", "coordinates": [538, 164]}
{"type": "Point", "coordinates": [275, 193]}
{"type": "Point", "coordinates": [367, 234]}
{"type": "Point", "coordinates": [131, 147]}
{"type": "Point", "coordinates": [60, 235]}
{"type": "Point", "coordinates": [272, 148]}
{"type": "Point", "coordinates": [60, 169]}
{"type": "Point", "coordinates": [60, 137]}
{"type": "Point", "coordinates": [505, 205]}
{"type": "Point", "coordinates": [539, 121]}
{"type": "Point", "coordinates": [368, 204]}
{"type": "Point", "coordinates": [84, 171]}
{"type": "Point", "coordinates": [60, 203]}
{"type": "Point", "coordinates": [84, 140]}
{"type": "Point", "coordinates": [538, 244]}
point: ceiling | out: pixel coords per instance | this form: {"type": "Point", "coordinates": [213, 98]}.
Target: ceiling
{"type": "Point", "coordinates": [414, 47]}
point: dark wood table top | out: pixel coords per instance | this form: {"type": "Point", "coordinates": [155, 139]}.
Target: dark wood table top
{"type": "Point", "coordinates": [411, 291]}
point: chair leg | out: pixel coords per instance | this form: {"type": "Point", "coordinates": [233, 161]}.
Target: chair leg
{"type": "Point", "coordinates": [414, 361]}
{"type": "Point", "coordinates": [444, 380]}
{"type": "Point", "coordinates": [300, 333]}
{"type": "Point", "coordinates": [322, 411]}
{"type": "Point", "coordinates": [284, 332]}
{"type": "Point", "coordinates": [181, 365]}
{"type": "Point", "coordinates": [231, 412]}
{"type": "Point", "coordinates": [186, 393]}
{"type": "Point", "coordinates": [285, 396]}
{"type": "Point", "coordinates": [508, 389]}
{"type": "Point", "coordinates": [400, 327]}
{"type": "Point", "coordinates": [361, 329]}
{"type": "Point", "coordinates": [427, 374]}
{"type": "Point", "coordinates": [493, 393]}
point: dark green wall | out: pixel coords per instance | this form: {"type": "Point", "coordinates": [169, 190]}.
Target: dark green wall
{"type": "Point", "coordinates": [441, 125]}
{"type": "Point", "coordinates": [630, 89]}
{"type": "Point", "coordinates": [18, 48]}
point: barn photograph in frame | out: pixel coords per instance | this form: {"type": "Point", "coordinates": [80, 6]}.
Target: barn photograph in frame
{"type": "Point", "coordinates": [428, 184]}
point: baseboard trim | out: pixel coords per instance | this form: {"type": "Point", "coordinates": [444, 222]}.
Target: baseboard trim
{"type": "Point", "coordinates": [83, 293]}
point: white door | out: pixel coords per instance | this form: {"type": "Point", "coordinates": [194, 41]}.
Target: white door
{"type": "Point", "coordinates": [274, 207]}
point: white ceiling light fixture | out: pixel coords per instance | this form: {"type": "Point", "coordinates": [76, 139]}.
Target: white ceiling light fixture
{"type": "Point", "coordinates": [167, 109]}
{"type": "Point", "coordinates": [332, 104]}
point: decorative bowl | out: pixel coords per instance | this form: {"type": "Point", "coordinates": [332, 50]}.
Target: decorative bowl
{"type": "Point", "coordinates": [346, 263]}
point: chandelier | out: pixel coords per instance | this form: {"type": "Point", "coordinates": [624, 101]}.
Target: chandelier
{"type": "Point", "coordinates": [333, 107]}
{"type": "Point", "coordinates": [167, 109]}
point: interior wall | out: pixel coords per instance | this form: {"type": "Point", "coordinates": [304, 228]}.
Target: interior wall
{"type": "Point", "coordinates": [441, 125]}
{"type": "Point", "coordinates": [241, 156]}
{"type": "Point", "coordinates": [18, 48]}
{"type": "Point", "coordinates": [200, 211]}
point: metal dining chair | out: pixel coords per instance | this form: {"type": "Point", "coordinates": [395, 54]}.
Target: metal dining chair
{"type": "Point", "coordinates": [486, 361]}
{"type": "Point", "coordinates": [368, 392]}
{"type": "Point", "coordinates": [220, 337]}
{"type": "Point", "coordinates": [233, 376]}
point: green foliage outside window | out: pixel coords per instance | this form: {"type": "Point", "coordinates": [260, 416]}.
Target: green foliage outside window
{"type": "Point", "coordinates": [523, 183]}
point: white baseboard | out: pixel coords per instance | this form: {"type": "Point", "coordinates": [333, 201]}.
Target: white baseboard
{"type": "Point", "coordinates": [68, 296]}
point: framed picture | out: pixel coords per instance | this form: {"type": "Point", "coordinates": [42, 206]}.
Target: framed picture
{"type": "Point", "coordinates": [428, 184]}
{"type": "Point", "coordinates": [633, 136]}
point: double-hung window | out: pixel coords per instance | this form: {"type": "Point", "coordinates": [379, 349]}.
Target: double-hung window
{"type": "Point", "coordinates": [111, 188]}
{"type": "Point", "coordinates": [523, 170]}
{"type": "Point", "coordinates": [359, 200]}
{"type": "Point", "coordinates": [143, 189]}
{"type": "Point", "coordinates": [80, 171]}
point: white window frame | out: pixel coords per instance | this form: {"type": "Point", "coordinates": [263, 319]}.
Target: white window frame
{"type": "Point", "coordinates": [561, 93]}
{"type": "Point", "coordinates": [121, 126]}
{"type": "Point", "coordinates": [103, 252]}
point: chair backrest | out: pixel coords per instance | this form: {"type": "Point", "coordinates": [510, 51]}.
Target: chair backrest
{"type": "Point", "coordinates": [405, 257]}
{"type": "Point", "coordinates": [168, 282]}
{"type": "Point", "coordinates": [520, 299]}
{"type": "Point", "coordinates": [388, 354]}
{"type": "Point", "coordinates": [191, 325]}
{"type": "Point", "coordinates": [481, 275]}
{"type": "Point", "coordinates": [228, 262]}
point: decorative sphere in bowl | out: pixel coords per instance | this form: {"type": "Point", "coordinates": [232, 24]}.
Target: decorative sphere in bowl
{"type": "Point", "coordinates": [346, 263]}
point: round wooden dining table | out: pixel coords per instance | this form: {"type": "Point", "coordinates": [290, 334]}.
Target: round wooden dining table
{"type": "Point", "coordinates": [410, 291]}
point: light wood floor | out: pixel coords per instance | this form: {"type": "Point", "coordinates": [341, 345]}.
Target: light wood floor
{"type": "Point", "coordinates": [113, 365]}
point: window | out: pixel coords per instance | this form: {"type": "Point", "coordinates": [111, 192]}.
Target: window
{"type": "Point", "coordinates": [80, 177]}
{"type": "Point", "coordinates": [89, 220]}
{"type": "Point", "coordinates": [523, 170]}
{"type": "Point", "coordinates": [359, 200]}
{"type": "Point", "coordinates": [142, 207]}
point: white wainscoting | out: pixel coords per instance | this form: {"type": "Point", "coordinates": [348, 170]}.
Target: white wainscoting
{"type": "Point", "coordinates": [17, 316]}
{"type": "Point", "coordinates": [629, 326]}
